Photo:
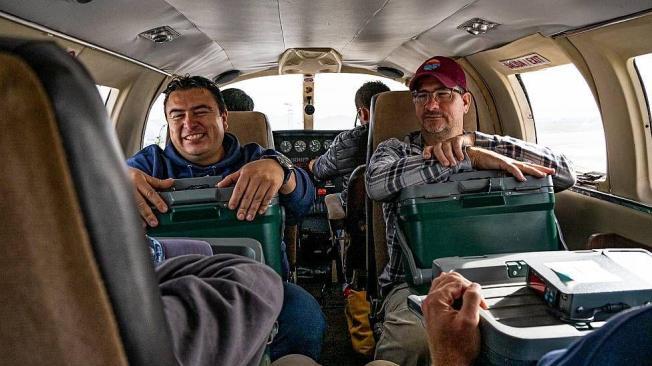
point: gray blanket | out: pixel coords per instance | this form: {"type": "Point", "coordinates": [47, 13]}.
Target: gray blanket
{"type": "Point", "coordinates": [220, 309]}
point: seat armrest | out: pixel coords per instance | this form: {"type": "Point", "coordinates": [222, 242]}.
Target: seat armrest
{"type": "Point", "coordinates": [177, 247]}
{"type": "Point", "coordinates": [246, 247]}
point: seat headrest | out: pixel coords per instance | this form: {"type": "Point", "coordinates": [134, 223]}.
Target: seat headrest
{"type": "Point", "coordinates": [251, 127]}
{"type": "Point", "coordinates": [392, 115]}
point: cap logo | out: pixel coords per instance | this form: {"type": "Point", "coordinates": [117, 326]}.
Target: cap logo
{"type": "Point", "coordinates": [431, 65]}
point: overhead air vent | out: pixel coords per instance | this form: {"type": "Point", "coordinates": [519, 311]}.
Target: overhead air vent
{"type": "Point", "coordinates": [477, 26]}
{"type": "Point", "coordinates": [161, 34]}
{"type": "Point", "coordinates": [226, 77]}
{"type": "Point", "coordinates": [309, 61]}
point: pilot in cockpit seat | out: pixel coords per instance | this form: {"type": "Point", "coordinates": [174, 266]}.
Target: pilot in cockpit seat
{"type": "Point", "coordinates": [349, 149]}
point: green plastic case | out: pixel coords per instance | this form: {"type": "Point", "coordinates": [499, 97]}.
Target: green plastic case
{"type": "Point", "coordinates": [474, 213]}
{"type": "Point", "coordinates": [197, 209]}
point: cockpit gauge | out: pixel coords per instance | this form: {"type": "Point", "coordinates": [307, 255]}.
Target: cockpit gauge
{"type": "Point", "coordinates": [286, 146]}
{"type": "Point", "coordinates": [300, 146]}
{"type": "Point", "coordinates": [315, 145]}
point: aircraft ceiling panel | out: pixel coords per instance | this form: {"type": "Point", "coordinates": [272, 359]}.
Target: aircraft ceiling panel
{"type": "Point", "coordinates": [248, 30]}
{"type": "Point", "coordinates": [115, 25]}
{"type": "Point", "coordinates": [218, 35]}
{"type": "Point", "coordinates": [396, 23]}
{"type": "Point", "coordinates": [332, 24]}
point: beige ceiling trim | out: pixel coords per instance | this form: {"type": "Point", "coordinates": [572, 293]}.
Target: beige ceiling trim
{"type": "Point", "coordinates": [488, 119]}
{"type": "Point", "coordinates": [591, 27]}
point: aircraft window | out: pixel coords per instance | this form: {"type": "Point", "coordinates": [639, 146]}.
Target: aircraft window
{"type": "Point", "coordinates": [644, 68]}
{"type": "Point", "coordinates": [279, 97]}
{"type": "Point", "coordinates": [566, 116]}
{"type": "Point", "coordinates": [156, 131]}
{"type": "Point", "coordinates": [334, 98]}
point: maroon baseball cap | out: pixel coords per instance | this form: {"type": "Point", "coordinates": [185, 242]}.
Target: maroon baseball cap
{"type": "Point", "coordinates": [447, 71]}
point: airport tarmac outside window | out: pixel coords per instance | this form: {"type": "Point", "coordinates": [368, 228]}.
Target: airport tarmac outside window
{"type": "Point", "coordinates": [566, 116]}
{"type": "Point", "coordinates": [334, 98]}
{"type": "Point", "coordinates": [643, 66]}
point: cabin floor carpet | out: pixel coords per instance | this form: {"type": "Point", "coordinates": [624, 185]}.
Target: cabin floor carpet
{"type": "Point", "coordinates": [337, 350]}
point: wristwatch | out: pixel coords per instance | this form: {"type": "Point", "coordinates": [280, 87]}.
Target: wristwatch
{"type": "Point", "coordinates": [284, 162]}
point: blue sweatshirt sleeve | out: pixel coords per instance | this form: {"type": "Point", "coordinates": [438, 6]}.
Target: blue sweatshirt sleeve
{"type": "Point", "coordinates": [298, 203]}
{"type": "Point", "coordinates": [144, 159]}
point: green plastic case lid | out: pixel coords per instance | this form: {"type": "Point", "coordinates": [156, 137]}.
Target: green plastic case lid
{"type": "Point", "coordinates": [479, 181]}
{"type": "Point", "coordinates": [189, 191]}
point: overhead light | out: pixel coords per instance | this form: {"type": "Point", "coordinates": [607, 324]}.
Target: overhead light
{"type": "Point", "coordinates": [390, 72]}
{"type": "Point", "coordinates": [161, 34]}
{"type": "Point", "coordinates": [477, 26]}
{"type": "Point", "coordinates": [226, 77]}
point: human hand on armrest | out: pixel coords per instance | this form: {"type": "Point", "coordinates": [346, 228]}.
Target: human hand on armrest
{"type": "Point", "coordinates": [146, 188]}
{"type": "Point", "coordinates": [487, 159]}
{"type": "Point", "coordinates": [453, 334]}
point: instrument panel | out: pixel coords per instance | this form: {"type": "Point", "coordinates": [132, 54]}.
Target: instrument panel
{"type": "Point", "coordinates": [314, 145]}
{"type": "Point", "coordinates": [301, 146]}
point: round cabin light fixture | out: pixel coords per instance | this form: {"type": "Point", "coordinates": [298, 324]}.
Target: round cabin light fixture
{"type": "Point", "coordinates": [390, 72]}
{"type": "Point", "coordinates": [226, 77]}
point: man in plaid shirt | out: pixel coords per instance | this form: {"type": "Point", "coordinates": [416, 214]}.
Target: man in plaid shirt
{"type": "Point", "coordinates": [440, 149]}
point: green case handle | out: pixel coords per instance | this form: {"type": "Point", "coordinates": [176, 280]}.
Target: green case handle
{"type": "Point", "coordinates": [472, 186]}
{"type": "Point", "coordinates": [481, 185]}
{"type": "Point", "coordinates": [181, 214]}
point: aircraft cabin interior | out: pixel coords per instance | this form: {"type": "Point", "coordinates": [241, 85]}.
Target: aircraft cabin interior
{"type": "Point", "coordinates": [82, 85]}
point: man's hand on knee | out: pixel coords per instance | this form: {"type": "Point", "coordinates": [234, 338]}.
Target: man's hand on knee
{"type": "Point", "coordinates": [145, 193]}
{"type": "Point", "coordinates": [453, 335]}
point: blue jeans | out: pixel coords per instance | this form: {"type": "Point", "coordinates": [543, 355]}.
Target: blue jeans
{"type": "Point", "coordinates": [301, 325]}
{"type": "Point", "coordinates": [285, 263]}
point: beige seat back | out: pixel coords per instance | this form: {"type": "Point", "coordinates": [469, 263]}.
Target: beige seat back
{"type": "Point", "coordinates": [393, 115]}
{"type": "Point", "coordinates": [251, 127]}
{"type": "Point", "coordinates": [78, 284]}
{"type": "Point", "coordinates": [45, 255]}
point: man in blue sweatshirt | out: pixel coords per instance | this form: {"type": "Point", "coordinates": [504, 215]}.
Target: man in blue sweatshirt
{"type": "Point", "coordinates": [199, 146]}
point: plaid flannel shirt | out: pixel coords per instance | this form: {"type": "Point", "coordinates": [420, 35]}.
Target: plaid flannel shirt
{"type": "Point", "coordinates": [398, 164]}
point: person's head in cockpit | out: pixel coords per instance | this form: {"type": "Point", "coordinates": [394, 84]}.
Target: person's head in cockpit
{"type": "Point", "coordinates": [237, 100]}
{"type": "Point", "coordinates": [363, 98]}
